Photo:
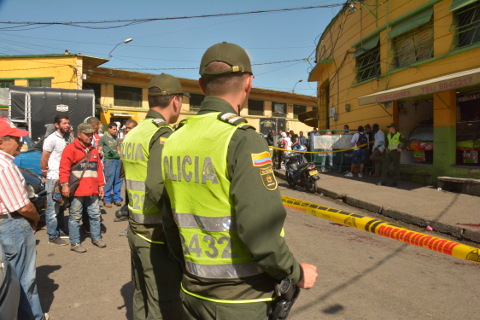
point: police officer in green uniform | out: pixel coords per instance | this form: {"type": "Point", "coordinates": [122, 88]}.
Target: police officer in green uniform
{"type": "Point", "coordinates": [156, 275]}
{"type": "Point", "coordinates": [225, 202]}
{"type": "Point", "coordinates": [395, 144]}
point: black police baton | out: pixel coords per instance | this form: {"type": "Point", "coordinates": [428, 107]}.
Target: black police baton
{"type": "Point", "coordinates": [287, 293]}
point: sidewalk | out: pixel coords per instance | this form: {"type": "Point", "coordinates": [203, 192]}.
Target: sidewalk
{"type": "Point", "coordinates": [446, 212]}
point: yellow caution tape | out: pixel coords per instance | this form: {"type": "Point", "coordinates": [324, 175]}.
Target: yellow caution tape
{"type": "Point", "coordinates": [385, 229]}
{"type": "Point", "coordinates": [332, 151]}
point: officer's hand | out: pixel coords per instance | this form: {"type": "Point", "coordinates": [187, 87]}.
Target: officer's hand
{"type": "Point", "coordinates": [101, 192]}
{"type": "Point", "coordinates": [399, 150]}
{"type": "Point", "coordinates": [309, 276]}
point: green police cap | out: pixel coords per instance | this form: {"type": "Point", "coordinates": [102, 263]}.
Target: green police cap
{"type": "Point", "coordinates": [168, 85]}
{"type": "Point", "coordinates": [233, 55]}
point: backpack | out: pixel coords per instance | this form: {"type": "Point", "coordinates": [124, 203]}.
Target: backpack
{"type": "Point", "coordinates": [362, 139]}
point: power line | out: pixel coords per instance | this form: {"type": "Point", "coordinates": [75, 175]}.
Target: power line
{"type": "Point", "coordinates": [129, 22]}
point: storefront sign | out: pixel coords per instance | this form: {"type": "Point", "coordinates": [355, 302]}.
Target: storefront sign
{"type": "Point", "coordinates": [444, 83]}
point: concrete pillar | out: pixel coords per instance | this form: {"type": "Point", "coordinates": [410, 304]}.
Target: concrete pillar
{"type": "Point", "coordinates": [444, 131]}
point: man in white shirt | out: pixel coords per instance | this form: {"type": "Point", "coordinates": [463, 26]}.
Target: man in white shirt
{"type": "Point", "coordinates": [50, 163]}
{"type": "Point", "coordinates": [378, 150]}
{"type": "Point", "coordinates": [360, 140]}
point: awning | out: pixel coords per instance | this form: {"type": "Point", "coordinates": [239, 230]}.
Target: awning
{"type": "Point", "coordinates": [411, 23]}
{"type": "Point", "coordinates": [309, 118]}
{"type": "Point", "coordinates": [459, 4]}
{"type": "Point", "coordinates": [317, 69]}
{"type": "Point", "coordinates": [449, 82]}
{"type": "Point", "coordinates": [366, 45]}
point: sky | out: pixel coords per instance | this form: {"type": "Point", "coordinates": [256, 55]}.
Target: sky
{"type": "Point", "coordinates": [168, 46]}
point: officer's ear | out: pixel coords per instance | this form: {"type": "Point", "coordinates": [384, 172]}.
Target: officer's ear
{"type": "Point", "coordinates": [248, 84]}
{"type": "Point", "coordinates": [201, 83]}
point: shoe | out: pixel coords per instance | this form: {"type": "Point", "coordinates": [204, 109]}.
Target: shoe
{"type": "Point", "coordinates": [360, 175]}
{"type": "Point", "coordinates": [123, 218]}
{"type": "Point", "coordinates": [58, 241]}
{"type": "Point", "coordinates": [63, 235]}
{"type": "Point", "coordinates": [46, 316]}
{"type": "Point", "coordinates": [77, 247]}
{"type": "Point", "coordinates": [349, 175]}
{"type": "Point", "coordinates": [380, 184]}
{"type": "Point", "coordinates": [108, 205]}
{"type": "Point", "coordinates": [323, 170]}
{"type": "Point", "coordinates": [118, 203]}
{"type": "Point", "coordinates": [99, 243]}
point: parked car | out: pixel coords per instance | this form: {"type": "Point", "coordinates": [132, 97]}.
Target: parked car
{"type": "Point", "coordinates": [29, 157]}
{"type": "Point", "coordinates": [35, 190]}
{"type": "Point", "coordinates": [9, 289]}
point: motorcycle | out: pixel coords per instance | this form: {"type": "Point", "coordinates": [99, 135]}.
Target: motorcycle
{"type": "Point", "coordinates": [300, 172]}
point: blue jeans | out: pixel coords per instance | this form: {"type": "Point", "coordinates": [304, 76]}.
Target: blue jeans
{"type": "Point", "coordinates": [53, 214]}
{"type": "Point", "coordinates": [358, 156]}
{"type": "Point", "coordinates": [19, 244]}
{"type": "Point", "coordinates": [113, 180]}
{"type": "Point", "coordinates": [76, 207]}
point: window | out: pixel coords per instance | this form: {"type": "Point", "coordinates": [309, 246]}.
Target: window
{"type": "Point", "coordinates": [96, 87]}
{"type": "Point", "coordinates": [40, 83]}
{"type": "Point", "coordinates": [127, 96]}
{"type": "Point", "coordinates": [468, 24]}
{"type": "Point", "coordinates": [6, 83]}
{"type": "Point", "coordinates": [298, 109]}
{"type": "Point", "coordinates": [368, 64]}
{"type": "Point", "coordinates": [413, 46]}
{"type": "Point", "coordinates": [255, 107]}
{"type": "Point", "coordinates": [195, 101]}
{"type": "Point", "coordinates": [279, 109]}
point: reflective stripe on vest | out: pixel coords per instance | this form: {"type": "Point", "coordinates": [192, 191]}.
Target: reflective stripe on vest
{"type": "Point", "coordinates": [393, 141]}
{"type": "Point", "coordinates": [135, 154]}
{"type": "Point", "coordinates": [196, 178]}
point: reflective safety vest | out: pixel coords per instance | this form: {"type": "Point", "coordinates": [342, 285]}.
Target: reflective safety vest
{"type": "Point", "coordinates": [196, 178]}
{"type": "Point", "coordinates": [135, 153]}
{"type": "Point", "coordinates": [393, 141]}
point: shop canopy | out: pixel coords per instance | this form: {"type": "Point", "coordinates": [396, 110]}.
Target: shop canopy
{"type": "Point", "coordinates": [459, 4]}
{"type": "Point", "coordinates": [452, 81]}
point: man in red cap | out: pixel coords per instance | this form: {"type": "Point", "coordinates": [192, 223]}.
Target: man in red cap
{"type": "Point", "coordinates": [18, 222]}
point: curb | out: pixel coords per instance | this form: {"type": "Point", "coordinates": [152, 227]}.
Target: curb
{"type": "Point", "coordinates": [455, 231]}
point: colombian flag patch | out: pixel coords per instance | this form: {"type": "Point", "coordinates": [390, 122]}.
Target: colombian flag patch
{"type": "Point", "coordinates": [261, 159]}
{"type": "Point", "coordinates": [163, 140]}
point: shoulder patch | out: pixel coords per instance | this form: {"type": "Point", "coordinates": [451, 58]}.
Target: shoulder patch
{"type": "Point", "coordinates": [261, 159]}
{"type": "Point", "coordinates": [231, 118]}
{"type": "Point", "coordinates": [246, 127]}
{"type": "Point", "coordinates": [160, 122]}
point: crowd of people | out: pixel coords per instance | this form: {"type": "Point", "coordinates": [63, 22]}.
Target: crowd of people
{"type": "Point", "coordinates": [205, 223]}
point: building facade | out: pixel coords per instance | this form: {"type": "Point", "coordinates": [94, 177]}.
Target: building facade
{"type": "Point", "coordinates": [122, 94]}
{"type": "Point", "coordinates": [413, 63]}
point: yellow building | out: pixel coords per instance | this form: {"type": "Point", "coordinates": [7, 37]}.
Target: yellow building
{"type": "Point", "coordinates": [122, 94]}
{"type": "Point", "coordinates": [412, 62]}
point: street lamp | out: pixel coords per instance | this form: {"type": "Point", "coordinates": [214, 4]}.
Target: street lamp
{"type": "Point", "coordinates": [124, 41]}
{"type": "Point", "coordinates": [293, 90]}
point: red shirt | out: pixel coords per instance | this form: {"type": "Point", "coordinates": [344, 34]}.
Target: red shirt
{"type": "Point", "coordinates": [93, 176]}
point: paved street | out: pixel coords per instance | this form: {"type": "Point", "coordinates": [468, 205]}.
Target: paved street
{"type": "Point", "coordinates": [361, 275]}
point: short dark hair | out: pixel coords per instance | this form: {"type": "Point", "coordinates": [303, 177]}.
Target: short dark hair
{"type": "Point", "coordinates": [59, 117]}
{"type": "Point", "coordinates": [111, 125]}
{"type": "Point", "coordinates": [135, 123]}
{"type": "Point", "coordinates": [360, 129]}
{"type": "Point", "coordinates": [375, 126]}
{"type": "Point", "coordinates": [93, 121]}
{"type": "Point", "coordinates": [159, 101]}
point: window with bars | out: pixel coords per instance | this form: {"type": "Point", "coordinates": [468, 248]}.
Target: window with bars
{"type": "Point", "coordinates": [298, 109]}
{"type": "Point", "coordinates": [279, 109]}
{"type": "Point", "coordinates": [195, 101]}
{"type": "Point", "coordinates": [40, 83]}
{"type": "Point", "coordinates": [255, 107]}
{"type": "Point", "coordinates": [6, 83]}
{"type": "Point", "coordinates": [127, 96]}
{"type": "Point", "coordinates": [414, 45]}
{"type": "Point", "coordinates": [368, 64]}
{"type": "Point", "coordinates": [468, 24]}
{"type": "Point", "coordinates": [96, 87]}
